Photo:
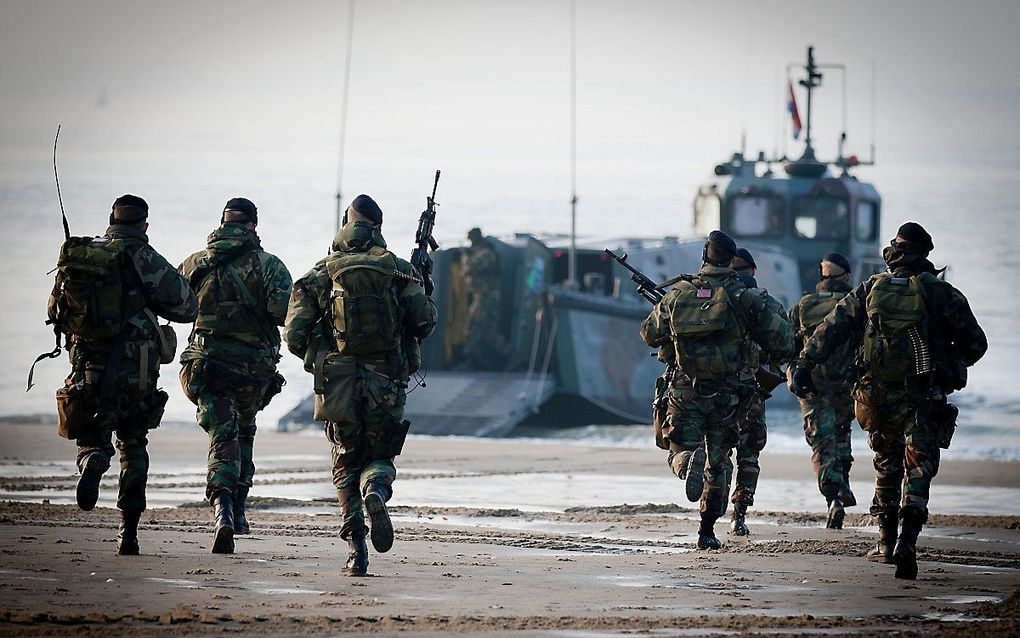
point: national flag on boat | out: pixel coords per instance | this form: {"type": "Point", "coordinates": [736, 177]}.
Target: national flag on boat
{"type": "Point", "coordinates": [791, 106]}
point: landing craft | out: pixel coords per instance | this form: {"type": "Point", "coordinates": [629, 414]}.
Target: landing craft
{"type": "Point", "coordinates": [576, 357]}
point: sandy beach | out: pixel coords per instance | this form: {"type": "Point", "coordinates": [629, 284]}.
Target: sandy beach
{"type": "Point", "coordinates": [493, 537]}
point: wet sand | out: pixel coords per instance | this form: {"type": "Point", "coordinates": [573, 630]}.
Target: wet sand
{"type": "Point", "coordinates": [493, 537]}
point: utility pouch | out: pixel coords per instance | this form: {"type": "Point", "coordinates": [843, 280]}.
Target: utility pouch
{"type": "Point", "coordinates": [869, 401]}
{"type": "Point", "coordinates": [75, 409]}
{"type": "Point", "coordinates": [391, 441]}
{"type": "Point", "coordinates": [769, 378]}
{"type": "Point", "coordinates": [336, 401]}
{"type": "Point", "coordinates": [191, 379]}
{"type": "Point", "coordinates": [155, 405]}
{"type": "Point", "coordinates": [660, 409]}
{"type": "Point", "coordinates": [166, 339]}
{"type": "Point", "coordinates": [945, 424]}
{"type": "Point", "coordinates": [273, 388]}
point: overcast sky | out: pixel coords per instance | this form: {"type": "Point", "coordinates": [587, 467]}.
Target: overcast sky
{"type": "Point", "coordinates": [232, 97]}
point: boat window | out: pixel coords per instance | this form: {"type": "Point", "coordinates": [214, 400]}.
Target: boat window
{"type": "Point", "coordinates": [822, 218]}
{"type": "Point", "coordinates": [756, 216]}
{"type": "Point", "coordinates": [867, 221]}
{"type": "Point", "coordinates": [706, 214]}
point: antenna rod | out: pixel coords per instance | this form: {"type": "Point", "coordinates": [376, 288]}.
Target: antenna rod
{"type": "Point", "coordinates": [343, 116]}
{"type": "Point", "coordinates": [572, 257]}
{"type": "Point", "coordinates": [56, 178]}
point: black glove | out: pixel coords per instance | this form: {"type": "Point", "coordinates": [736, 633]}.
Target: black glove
{"type": "Point", "coordinates": [800, 381]}
{"type": "Point", "coordinates": [429, 285]}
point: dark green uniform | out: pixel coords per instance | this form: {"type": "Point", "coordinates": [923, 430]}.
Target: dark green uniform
{"type": "Point", "coordinates": [752, 432]}
{"type": "Point", "coordinates": [132, 405]}
{"type": "Point", "coordinates": [229, 366]}
{"type": "Point", "coordinates": [828, 414]}
{"type": "Point", "coordinates": [706, 412]}
{"type": "Point", "coordinates": [370, 390]}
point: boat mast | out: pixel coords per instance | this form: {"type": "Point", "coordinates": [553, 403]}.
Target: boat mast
{"type": "Point", "coordinates": [572, 256]}
{"type": "Point", "coordinates": [343, 116]}
{"type": "Point", "coordinates": [812, 81]}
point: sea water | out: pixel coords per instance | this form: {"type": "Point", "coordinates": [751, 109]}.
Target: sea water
{"type": "Point", "coordinates": [968, 201]}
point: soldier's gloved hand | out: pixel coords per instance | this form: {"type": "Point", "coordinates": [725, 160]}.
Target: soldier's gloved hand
{"type": "Point", "coordinates": [429, 285]}
{"type": "Point", "coordinates": [800, 381]}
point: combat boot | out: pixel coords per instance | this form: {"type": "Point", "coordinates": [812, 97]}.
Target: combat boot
{"type": "Point", "coordinates": [223, 541]}
{"type": "Point", "coordinates": [240, 519]}
{"type": "Point", "coordinates": [357, 560]}
{"type": "Point", "coordinates": [847, 495]}
{"type": "Point", "coordinates": [127, 536]}
{"type": "Point", "coordinates": [739, 526]}
{"type": "Point", "coordinates": [883, 551]}
{"type": "Point", "coordinates": [706, 533]}
{"type": "Point", "coordinates": [690, 468]}
{"type": "Point", "coordinates": [836, 514]}
{"type": "Point", "coordinates": [382, 527]}
{"type": "Point", "coordinates": [905, 553]}
{"type": "Point", "coordinates": [87, 492]}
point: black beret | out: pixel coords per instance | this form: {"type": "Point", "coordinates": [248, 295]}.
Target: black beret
{"type": "Point", "coordinates": [241, 205]}
{"type": "Point", "coordinates": [837, 258]}
{"type": "Point", "coordinates": [744, 255]}
{"type": "Point", "coordinates": [475, 232]}
{"type": "Point", "coordinates": [129, 209]}
{"type": "Point", "coordinates": [367, 208]}
{"type": "Point", "coordinates": [914, 233]}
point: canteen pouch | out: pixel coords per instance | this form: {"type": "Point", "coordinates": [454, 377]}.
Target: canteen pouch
{"type": "Point", "coordinates": [334, 400]}
{"type": "Point", "coordinates": [869, 400]}
{"type": "Point", "coordinates": [273, 387]}
{"type": "Point", "coordinates": [167, 344]}
{"type": "Point", "coordinates": [74, 410]}
{"type": "Point", "coordinates": [391, 441]}
{"type": "Point", "coordinates": [190, 380]}
{"type": "Point", "coordinates": [944, 418]}
{"type": "Point", "coordinates": [154, 406]}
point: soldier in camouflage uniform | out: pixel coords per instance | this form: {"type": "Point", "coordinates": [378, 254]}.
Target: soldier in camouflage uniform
{"type": "Point", "coordinates": [120, 374]}
{"type": "Point", "coordinates": [229, 366]}
{"type": "Point", "coordinates": [908, 421]}
{"type": "Point", "coordinates": [485, 347]}
{"type": "Point", "coordinates": [829, 413]}
{"type": "Point", "coordinates": [752, 432]}
{"type": "Point", "coordinates": [704, 411]}
{"type": "Point", "coordinates": [361, 385]}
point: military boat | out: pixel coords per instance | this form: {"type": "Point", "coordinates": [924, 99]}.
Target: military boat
{"type": "Point", "coordinates": [571, 315]}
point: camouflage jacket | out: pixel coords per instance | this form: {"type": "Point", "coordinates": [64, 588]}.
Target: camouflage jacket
{"type": "Point", "coordinates": [766, 318]}
{"type": "Point", "coordinates": [480, 266]}
{"type": "Point", "coordinates": [953, 332]}
{"type": "Point", "coordinates": [307, 323]}
{"type": "Point", "coordinates": [228, 325]}
{"type": "Point", "coordinates": [835, 369]}
{"type": "Point", "coordinates": [166, 293]}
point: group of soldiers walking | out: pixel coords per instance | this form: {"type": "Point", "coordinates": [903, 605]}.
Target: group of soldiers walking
{"type": "Point", "coordinates": [888, 352]}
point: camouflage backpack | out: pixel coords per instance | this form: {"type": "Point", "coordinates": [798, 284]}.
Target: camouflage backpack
{"type": "Point", "coordinates": [814, 308]}
{"type": "Point", "coordinates": [708, 335]}
{"type": "Point", "coordinates": [895, 344]}
{"type": "Point", "coordinates": [97, 288]}
{"type": "Point", "coordinates": [363, 302]}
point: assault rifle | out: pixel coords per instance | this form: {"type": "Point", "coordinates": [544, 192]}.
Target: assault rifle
{"type": "Point", "coordinates": [424, 241]}
{"type": "Point", "coordinates": [646, 287]}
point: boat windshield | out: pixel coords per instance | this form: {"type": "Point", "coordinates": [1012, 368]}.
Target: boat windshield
{"type": "Point", "coordinates": [756, 216]}
{"type": "Point", "coordinates": [821, 218]}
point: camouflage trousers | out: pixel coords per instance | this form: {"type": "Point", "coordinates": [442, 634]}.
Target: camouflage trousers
{"type": "Point", "coordinates": [364, 447]}
{"type": "Point", "coordinates": [828, 416]}
{"type": "Point", "coordinates": [228, 401]}
{"type": "Point", "coordinates": [906, 456]}
{"type": "Point", "coordinates": [708, 419]}
{"type": "Point", "coordinates": [131, 412]}
{"type": "Point", "coordinates": [485, 348]}
{"type": "Point", "coordinates": [751, 437]}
